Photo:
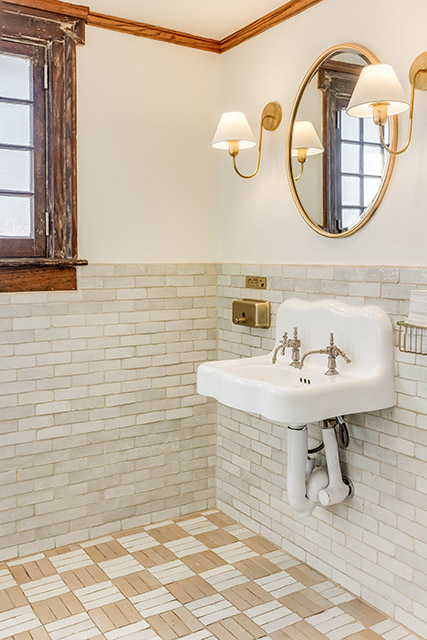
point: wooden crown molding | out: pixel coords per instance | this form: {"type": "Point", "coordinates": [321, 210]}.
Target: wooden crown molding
{"type": "Point", "coordinates": [143, 30]}
{"type": "Point", "coordinates": [54, 6]}
{"type": "Point", "coordinates": [286, 11]}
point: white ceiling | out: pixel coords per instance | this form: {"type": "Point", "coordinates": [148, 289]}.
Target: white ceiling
{"type": "Point", "coordinates": [208, 18]}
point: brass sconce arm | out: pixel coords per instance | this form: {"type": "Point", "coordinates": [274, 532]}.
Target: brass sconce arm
{"type": "Point", "coordinates": [378, 118]}
{"type": "Point", "coordinates": [270, 120]}
{"type": "Point", "coordinates": [302, 157]}
{"type": "Point", "coordinates": [234, 150]}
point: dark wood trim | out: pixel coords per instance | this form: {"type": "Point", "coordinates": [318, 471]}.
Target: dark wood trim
{"type": "Point", "coordinates": [55, 37]}
{"type": "Point", "coordinates": [54, 6]}
{"type": "Point", "coordinates": [25, 263]}
{"type": "Point", "coordinates": [286, 11]}
{"type": "Point", "coordinates": [144, 30]}
{"type": "Point", "coordinates": [38, 279]}
{"type": "Point", "coordinates": [153, 32]}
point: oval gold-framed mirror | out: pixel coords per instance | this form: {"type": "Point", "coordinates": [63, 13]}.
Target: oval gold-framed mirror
{"type": "Point", "coordinates": [337, 169]}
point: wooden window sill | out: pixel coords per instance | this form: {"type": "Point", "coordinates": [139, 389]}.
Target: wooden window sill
{"type": "Point", "coordinates": [38, 275]}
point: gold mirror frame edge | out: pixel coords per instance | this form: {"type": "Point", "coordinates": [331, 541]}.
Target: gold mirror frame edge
{"type": "Point", "coordinates": [391, 159]}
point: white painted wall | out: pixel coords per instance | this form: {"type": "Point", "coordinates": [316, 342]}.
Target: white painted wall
{"type": "Point", "coordinates": [259, 221]}
{"type": "Point", "coordinates": [147, 176]}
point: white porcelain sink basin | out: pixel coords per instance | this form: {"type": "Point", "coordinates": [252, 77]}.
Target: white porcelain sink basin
{"type": "Point", "coordinates": [285, 394]}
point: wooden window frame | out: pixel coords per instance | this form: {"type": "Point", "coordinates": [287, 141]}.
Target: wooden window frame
{"type": "Point", "coordinates": [57, 35]}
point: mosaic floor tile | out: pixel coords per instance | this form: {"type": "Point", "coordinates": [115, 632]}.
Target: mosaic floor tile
{"type": "Point", "coordinates": [175, 623]}
{"type": "Point", "coordinates": [279, 584]}
{"type": "Point", "coordinates": [191, 589]}
{"type": "Point", "coordinates": [122, 566]}
{"type": "Point", "coordinates": [71, 560]}
{"type": "Point", "coordinates": [332, 592]}
{"type": "Point", "coordinates": [32, 571]}
{"type": "Point", "coordinates": [171, 572]}
{"type": "Point", "coordinates": [44, 588]}
{"type": "Point", "coordinates": [212, 609]}
{"type": "Point", "coordinates": [80, 626]}
{"type": "Point", "coordinates": [198, 525]}
{"type": "Point", "coordinates": [137, 631]}
{"type": "Point", "coordinates": [6, 579]}
{"type": "Point", "coordinates": [200, 577]}
{"type": "Point", "coordinates": [155, 602]}
{"type": "Point", "coordinates": [335, 624]}
{"type": "Point", "coordinates": [57, 608]}
{"type": "Point", "coordinates": [224, 577]}
{"type": "Point", "coordinates": [138, 542]}
{"type": "Point", "coordinates": [99, 594]}
{"type": "Point", "coordinates": [281, 559]}
{"type": "Point", "coordinates": [272, 616]}
{"type": "Point", "coordinates": [232, 553]}
{"type": "Point", "coordinates": [17, 621]}
{"type": "Point", "coordinates": [185, 547]}
{"type": "Point", "coordinates": [115, 615]}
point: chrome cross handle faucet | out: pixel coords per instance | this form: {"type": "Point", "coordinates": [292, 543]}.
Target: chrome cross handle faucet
{"type": "Point", "coordinates": [294, 344]}
{"type": "Point", "coordinates": [332, 351]}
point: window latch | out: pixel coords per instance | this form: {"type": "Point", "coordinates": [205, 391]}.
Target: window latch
{"type": "Point", "coordinates": [47, 222]}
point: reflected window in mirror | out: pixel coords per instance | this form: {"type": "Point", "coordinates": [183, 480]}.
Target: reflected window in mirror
{"type": "Point", "coordinates": [354, 160]}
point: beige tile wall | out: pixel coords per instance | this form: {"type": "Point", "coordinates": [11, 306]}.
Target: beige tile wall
{"type": "Point", "coordinates": [375, 544]}
{"type": "Point", "coordinates": [101, 428]}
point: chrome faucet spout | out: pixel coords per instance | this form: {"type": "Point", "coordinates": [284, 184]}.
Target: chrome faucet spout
{"type": "Point", "coordinates": [280, 347]}
{"type": "Point", "coordinates": [332, 351]}
{"type": "Point", "coordinates": [309, 353]}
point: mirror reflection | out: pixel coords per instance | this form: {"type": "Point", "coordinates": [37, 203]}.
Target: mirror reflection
{"type": "Point", "coordinates": [337, 164]}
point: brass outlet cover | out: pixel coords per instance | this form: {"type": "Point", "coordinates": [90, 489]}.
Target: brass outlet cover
{"type": "Point", "coordinates": [255, 282]}
{"type": "Point", "coordinates": [251, 313]}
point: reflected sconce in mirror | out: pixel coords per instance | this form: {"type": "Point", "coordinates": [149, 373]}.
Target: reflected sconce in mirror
{"type": "Point", "coordinates": [378, 94]}
{"type": "Point", "coordinates": [305, 142]}
{"type": "Point", "coordinates": [234, 133]}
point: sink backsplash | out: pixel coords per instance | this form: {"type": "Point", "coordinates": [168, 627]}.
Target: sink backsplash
{"type": "Point", "coordinates": [375, 544]}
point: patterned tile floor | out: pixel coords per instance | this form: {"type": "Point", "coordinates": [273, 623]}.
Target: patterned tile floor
{"type": "Point", "coordinates": [200, 577]}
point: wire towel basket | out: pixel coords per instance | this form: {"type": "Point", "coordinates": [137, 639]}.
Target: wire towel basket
{"type": "Point", "coordinates": [412, 338]}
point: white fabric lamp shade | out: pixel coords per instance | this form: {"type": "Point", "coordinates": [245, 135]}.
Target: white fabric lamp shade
{"type": "Point", "coordinates": [304, 136]}
{"type": "Point", "coordinates": [233, 127]}
{"type": "Point", "coordinates": [377, 83]}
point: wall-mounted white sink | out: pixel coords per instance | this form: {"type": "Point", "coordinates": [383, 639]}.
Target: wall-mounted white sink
{"type": "Point", "coordinates": [284, 394]}
{"type": "Point", "coordinates": [296, 396]}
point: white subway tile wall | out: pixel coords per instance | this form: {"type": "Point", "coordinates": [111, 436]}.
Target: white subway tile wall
{"type": "Point", "coordinates": [375, 544]}
{"type": "Point", "coordinates": [101, 427]}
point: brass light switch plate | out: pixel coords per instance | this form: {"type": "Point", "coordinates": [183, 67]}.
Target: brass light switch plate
{"type": "Point", "coordinates": [251, 313]}
{"type": "Point", "coordinates": [255, 282]}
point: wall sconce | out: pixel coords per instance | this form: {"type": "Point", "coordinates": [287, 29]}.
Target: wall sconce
{"type": "Point", "coordinates": [234, 133]}
{"type": "Point", "coordinates": [305, 142]}
{"type": "Point", "coordinates": [378, 94]}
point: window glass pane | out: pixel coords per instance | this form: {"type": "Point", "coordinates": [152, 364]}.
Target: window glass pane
{"type": "Point", "coordinates": [15, 123]}
{"type": "Point", "coordinates": [350, 158]}
{"type": "Point", "coordinates": [15, 77]}
{"type": "Point", "coordinates": [350, 217]}
{"type": "Point", "coordinates": [373, 160]}
{"type": "Point", "coordinates": [350, 127]}
{"type": "Point", "coordinates": [350, 191]}
{"type": "Point", "coordinates": [370, 186]}
{"type": "Point", "coordinates": [15, 170]}
{"type": "Point", "coordinates": [371, 132]}
{"type": "Point", "coordinates": [16, 217]}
